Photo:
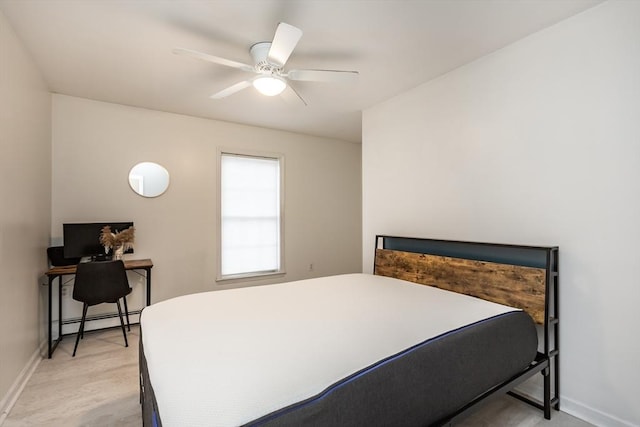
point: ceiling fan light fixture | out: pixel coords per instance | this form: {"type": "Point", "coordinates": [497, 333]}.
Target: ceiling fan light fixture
{"type": "Point", "coordinates": [269, 85]}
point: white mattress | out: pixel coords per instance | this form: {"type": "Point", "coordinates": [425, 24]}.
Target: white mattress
{"type": "Point", "coordinates": [225, 358]}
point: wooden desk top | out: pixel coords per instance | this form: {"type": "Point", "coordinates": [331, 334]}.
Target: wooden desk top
{"type": "Point", "coordinates": [129, 264]}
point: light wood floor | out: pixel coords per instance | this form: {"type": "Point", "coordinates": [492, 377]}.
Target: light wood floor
{"type": "Point", "coordinates": [99, 388]}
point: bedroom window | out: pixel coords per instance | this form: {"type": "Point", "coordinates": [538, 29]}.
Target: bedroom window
{"type": "Point", "coordinates": [250, 215]}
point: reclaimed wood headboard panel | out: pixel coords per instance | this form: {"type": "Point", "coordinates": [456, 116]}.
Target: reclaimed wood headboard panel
{"type": "Point", "coordinates": [515, 286]}
{"type": "Point", "coordinates": [519, 286]}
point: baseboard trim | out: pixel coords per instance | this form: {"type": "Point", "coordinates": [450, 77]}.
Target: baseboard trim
{"type": "Point", "coordinates": [14, 392]}
{"type": "Point", "coordinates": [532, 388]}
{"type": "Point", "coordinates": [591, 415]}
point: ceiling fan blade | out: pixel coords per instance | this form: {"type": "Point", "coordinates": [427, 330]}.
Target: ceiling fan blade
{"type": "Point", "coordinates": [214, 59]}
{"type": "Point", "coordinates": [284, 41]}
{"type": "Point", "coordinates": [292, 97]}
{"type": "Point", "coordinates": [323, 75]}
{"type": "Point", "coordinates": [231, 90]}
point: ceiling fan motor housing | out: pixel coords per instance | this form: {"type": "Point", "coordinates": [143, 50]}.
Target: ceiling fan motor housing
{"type": "Point", "coordinates": [259, 54]}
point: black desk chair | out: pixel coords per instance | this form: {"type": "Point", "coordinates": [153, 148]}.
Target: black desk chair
{"type": "Point", "coordinates": [97, 283]}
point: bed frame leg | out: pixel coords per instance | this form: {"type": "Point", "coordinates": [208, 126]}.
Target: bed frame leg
{"type": "Point", "coordinates": [547, 393]}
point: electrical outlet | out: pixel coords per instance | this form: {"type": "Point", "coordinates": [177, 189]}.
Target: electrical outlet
{"type": "Point", "coordinates": [65, 291]}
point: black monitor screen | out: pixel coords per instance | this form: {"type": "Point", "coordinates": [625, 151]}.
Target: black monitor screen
{"type": "Point", "coordinates": [83, 239]}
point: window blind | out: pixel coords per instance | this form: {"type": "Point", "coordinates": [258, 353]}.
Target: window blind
{"type": "Point", "coordinates": [250, 214]}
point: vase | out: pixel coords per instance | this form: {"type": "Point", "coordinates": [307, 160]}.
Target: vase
{"type": "Point", "coordinates": [118, 252]}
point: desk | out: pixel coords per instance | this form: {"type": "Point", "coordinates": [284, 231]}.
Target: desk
{"type": "Point", "coordinates": [58, 272]}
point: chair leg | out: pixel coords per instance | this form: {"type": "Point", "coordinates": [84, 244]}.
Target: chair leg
{"type": "Point", "coordinates": [126, 312]}
{"type": "Point", "coordinates": [81, 330]}
{"type": "Point", "coordinates": [124, 333]}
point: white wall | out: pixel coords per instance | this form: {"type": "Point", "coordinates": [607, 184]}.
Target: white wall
{"type": "Point", "coordinates": [538, 143]}
{"type": "Point", "coordinates": [95, 144]}
{"type": "Point", "coordinates": [25, 206]}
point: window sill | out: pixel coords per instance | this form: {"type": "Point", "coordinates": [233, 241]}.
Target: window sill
{"type": "Point", "coordinates": [233, 278]}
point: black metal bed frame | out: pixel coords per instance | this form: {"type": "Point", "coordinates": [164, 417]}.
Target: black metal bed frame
{"type": "Point", "coordinates": [547, 361]}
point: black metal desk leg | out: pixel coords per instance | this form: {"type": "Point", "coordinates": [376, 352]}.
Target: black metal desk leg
{"type": "Point", "coordinates": [49, 351]}
{"type": "Point", "coordinates": [59, 308]}
{"type": "Point", "coordinates": [148, 287]}
{"type": "Point", "coordinates": [51, 344]}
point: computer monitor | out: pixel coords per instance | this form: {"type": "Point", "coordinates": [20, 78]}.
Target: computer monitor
{"type": "Point", "coordinates": [83, 239]}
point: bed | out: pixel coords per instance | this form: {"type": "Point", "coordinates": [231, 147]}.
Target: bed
{"type": "Point", "coordinates": [358, 349]}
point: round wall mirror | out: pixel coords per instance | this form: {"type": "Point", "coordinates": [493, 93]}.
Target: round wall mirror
{"type": "Point", "coordinates": [149, 179]}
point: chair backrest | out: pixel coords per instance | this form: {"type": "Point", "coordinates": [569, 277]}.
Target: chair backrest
{"type": "Point", "coordinates": [57, 259]}
{"type": "Point", "coordinates": [100, 281]}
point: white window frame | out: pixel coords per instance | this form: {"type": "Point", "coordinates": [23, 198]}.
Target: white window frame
{"type": "Point", "coordinates": [256, 154]}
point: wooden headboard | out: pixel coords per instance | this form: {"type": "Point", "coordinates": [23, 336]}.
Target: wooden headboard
{"type": "Point", "coordinates": [518, 276]}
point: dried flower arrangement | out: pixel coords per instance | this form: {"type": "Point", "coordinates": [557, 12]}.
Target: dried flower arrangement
{"type": "Point", "coordinates": [118, 242]}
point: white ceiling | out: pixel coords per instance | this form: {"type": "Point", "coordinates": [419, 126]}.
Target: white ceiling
{"type": "Point", "coordinates": [121, 50]}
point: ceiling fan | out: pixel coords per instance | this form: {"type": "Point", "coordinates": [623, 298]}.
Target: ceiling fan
{"type": "Point", "coordinates": [269, 59]}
